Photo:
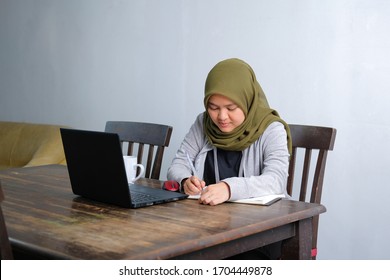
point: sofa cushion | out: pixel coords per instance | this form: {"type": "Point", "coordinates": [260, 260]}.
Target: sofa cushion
{"type": "Point", "coordinates": [27, 144]}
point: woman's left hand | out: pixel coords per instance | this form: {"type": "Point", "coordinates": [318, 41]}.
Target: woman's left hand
{"type": "Point", "coordinates": [215, 194]}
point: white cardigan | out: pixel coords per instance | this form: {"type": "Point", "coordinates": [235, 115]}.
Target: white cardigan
{"type": "Point", "coordinates": [264, 164]}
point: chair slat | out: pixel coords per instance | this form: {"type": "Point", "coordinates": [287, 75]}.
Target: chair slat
{"type": "Point", "coordinates": [305, 175]}
{"type": "Point", "coordinates": [130, 148]}
{"type": "Point", "coordinates": [149, 160]}
{"type": "Point", "coordinates": [318, 180]}
{"type": "Point", "coordinates": [291, 171]}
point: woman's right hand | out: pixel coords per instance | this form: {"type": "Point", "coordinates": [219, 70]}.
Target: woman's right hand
{"type": "Point", "coordinates": [193, 185]}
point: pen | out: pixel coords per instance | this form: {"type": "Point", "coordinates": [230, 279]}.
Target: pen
{"type": "Point", "coordinates": [193, 167]}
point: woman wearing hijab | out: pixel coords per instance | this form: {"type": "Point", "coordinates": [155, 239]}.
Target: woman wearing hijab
{"type": "Point", "coordinates": [239, 147]}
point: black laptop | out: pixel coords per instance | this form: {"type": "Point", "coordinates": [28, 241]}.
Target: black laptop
{"type": "Point", "coordinates": [97, 171]}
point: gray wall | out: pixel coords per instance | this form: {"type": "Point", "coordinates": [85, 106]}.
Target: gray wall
{"type": "Point", "coordinates": [81, 63]}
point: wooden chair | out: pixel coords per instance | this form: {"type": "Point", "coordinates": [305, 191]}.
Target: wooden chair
{"type": "Point", "coordinates": [305, 139]}
{"type": "Point", "coordinates": [141, 134]}
{"type": "Point", "coordinates": [6, 251]}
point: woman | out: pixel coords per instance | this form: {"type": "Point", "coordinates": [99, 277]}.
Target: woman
{"type": "Point", "coordinates": [239, 147]}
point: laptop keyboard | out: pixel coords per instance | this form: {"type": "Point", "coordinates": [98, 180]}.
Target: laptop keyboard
{"type": "Point", "coordinates": [139, 197]}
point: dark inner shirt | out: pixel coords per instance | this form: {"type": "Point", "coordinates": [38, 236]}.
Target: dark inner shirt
{"type": "Point", "coordinates": [228, 165]}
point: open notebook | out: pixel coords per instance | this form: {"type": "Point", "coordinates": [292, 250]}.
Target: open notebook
{"type": "Point", "coordinates": [261, 200]}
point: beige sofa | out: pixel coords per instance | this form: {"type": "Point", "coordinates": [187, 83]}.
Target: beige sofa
{"type": "Point", "coordinates": [29, 144]}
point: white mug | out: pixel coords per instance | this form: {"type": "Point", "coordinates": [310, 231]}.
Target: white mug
{"type": "Point", "coordinates": [131, 166]}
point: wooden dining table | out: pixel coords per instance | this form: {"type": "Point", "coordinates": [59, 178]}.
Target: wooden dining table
{"type": "Point", "coordinates": [45, 220]}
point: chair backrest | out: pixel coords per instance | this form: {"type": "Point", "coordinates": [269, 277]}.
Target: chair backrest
{"type": "Point", "coordinates": [5, 249]}
{"type": "Point", "coordinates": [306, 139]}
{"type": "Point", "coordinates": [143, 135]}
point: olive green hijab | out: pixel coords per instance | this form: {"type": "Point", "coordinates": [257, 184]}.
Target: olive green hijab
{"type": "Point", "coordinates": [235, 79]}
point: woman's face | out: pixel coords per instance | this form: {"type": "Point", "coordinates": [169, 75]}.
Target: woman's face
{"type": "Point", "coordinates": [224, 113]}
